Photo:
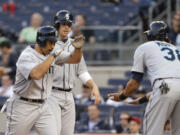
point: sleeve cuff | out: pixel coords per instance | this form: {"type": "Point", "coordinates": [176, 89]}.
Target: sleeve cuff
{"type": "Point", "coordinates": [84, 77]}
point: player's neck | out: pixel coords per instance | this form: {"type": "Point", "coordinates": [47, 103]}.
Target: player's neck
{"type": "Point", "coordinates": [61, 37]}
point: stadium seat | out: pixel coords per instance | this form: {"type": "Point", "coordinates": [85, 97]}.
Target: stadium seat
{"type": "Point", "coordinates": [117, 82]}
{"type": "Point", "coordinates": [132, 108]}
{"type": "Point", "coordinates": [104, 91]}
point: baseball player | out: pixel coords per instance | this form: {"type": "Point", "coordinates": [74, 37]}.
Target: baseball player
{"type": "Point", "coordinates": [161, 61]}
{"type": "Point", "coordinates": [35, 69]}
{"type": "Point", "coordinates": [61, 99]}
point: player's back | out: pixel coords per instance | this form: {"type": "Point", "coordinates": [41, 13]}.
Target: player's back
{"type": "Point", "coordinates": [161, 60]}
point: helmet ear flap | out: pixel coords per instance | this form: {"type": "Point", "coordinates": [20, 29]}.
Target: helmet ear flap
{"type": "Point", "coordinates": [41, 41]}
{"type": "Point", "coordinates": [56, 25]}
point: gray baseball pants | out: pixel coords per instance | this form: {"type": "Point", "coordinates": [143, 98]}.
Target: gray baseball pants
{"type": "Point", "coordinates": [23, 115]}
{"type": "Point", "coordinates": [62, 104]}
{"type": "Point", "coordinates": [162, 107]}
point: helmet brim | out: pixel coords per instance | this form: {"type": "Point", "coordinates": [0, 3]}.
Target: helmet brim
{"type": "Point", "coordinates": [63, 21]}
{"type": "Point", "coordinates": [50, 38]}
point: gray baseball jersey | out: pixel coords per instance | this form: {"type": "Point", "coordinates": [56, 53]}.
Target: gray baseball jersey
{"type": "Point", "coordinates": [65, 74]}
{"type": "Point", "coordinates": [62, 102]}
{"type": "Point", "coordinates": [29, 88]}
{"type": "Point", "coordinates": [161, 61]}
{"type": "Point", "coordinates": [35, 114]}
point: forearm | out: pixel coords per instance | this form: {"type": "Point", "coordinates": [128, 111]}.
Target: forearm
{"type": "Point", "coordinates": [131, 87]}
{"type": "Point", "coordinates": [91, 84]}
{"type": "Point", "coordinates": [75, 56]}
{"type": "Point", "coordinates": [40, 70]}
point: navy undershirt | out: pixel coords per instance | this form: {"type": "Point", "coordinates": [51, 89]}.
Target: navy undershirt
{"type": "Point", "coordinates": [137, 76]}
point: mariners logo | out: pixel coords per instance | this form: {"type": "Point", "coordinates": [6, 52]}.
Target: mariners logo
{"type": "Point", "coordinates": [67, 16]}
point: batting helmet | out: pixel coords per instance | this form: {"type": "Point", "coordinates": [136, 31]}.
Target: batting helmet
{"type": "Point", "coordinates": [62, 16]}
{"type": "Point", "coordinates": [46, 33]}
{"type": "Point", "coordinates": [158, 31]}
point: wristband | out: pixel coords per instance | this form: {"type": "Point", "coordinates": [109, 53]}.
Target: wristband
{"type": "Point", "coordinates": [122, 96]}
{"type": "Point", "coordinates": [143, 100]}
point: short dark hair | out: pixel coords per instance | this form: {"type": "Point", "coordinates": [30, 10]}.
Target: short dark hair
{"type": "Point", "coordinates": [6, 44]}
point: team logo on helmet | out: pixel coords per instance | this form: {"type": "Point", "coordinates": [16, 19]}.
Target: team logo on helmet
{"type": "Point", "coordinates": [67, 16]}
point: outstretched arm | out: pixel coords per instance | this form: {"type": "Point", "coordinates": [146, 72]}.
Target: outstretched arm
{"type": "Point", "coordinates": [75, 56]}
{"type": "Point", "coordinates": [140, 100]}
{"type": "Point", "coordinates": [130, 88]}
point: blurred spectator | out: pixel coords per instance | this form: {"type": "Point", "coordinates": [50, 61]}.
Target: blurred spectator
{"type": "Point", "coordinates": [85, 97]}
{"type": "Point", "coordinates": [2, 37]}
{"type": "Point", "coordinates": [6, 90]}
{"type": "Point", "coordinates": [175, 30]}
{"type": "Point", "coordinates": [123, 126]}
{"type": "Point", "coordinates": [93, 124]}
{"type": "Point", "coordinates": [9, 59]}
{"type": "Point", "coordinates": [80, 21]}
{"type": "Point", "coordinates": [167, 128]}
{"type": "Point", "coordinates": [9, 6]}
{"type": "Point", "coordinates": [135, 125]}
{"type": "Point", "coordinates": [28, 34]}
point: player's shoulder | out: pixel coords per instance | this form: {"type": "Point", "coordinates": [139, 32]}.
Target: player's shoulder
{"type": "Point", "coordinates": [148, 45]}
{"type": "Point", "coordinates": [26, 53]}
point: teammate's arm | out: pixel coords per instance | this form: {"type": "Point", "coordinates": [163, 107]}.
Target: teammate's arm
{"type": "Point", "coordinates": [95, 91]}
{"type": "Point", "coordinates": [130, 88]}
{"type": "Point", "coordinates": [40, 70]}
{"type": "Point", "coordinates": [86, 78]}
{"type": "Point", "coordinates": [75, 57]}
{"type": "Point", "coordinates": [77, 42]}
{"type": "Point", "coordinates": [132, 85]}
{"type": "Point", "coordinates": [140, 100]}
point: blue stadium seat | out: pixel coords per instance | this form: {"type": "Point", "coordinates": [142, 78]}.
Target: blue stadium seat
{"type": "Point", "coordinates": [104, 91]}
{"type": "Point", "coordinates": [97, 13]}
{"type": "Point", "coordinates": [130, 108]}
{"type": "Point", "coordinates": [117, 82]}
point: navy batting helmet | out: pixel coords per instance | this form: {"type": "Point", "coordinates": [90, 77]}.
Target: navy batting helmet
{"type": "Point", "coordinates": [158, 31]}
{"type": "Point", "coordinates": [61, 17]}
{"type": "Point", "coordinates": [46, 33]}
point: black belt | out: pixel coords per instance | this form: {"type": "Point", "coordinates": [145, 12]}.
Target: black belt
{"type": "Point", "coordinates": [32, 100]}
{"type": "Point", "coordinates": [60, 89]}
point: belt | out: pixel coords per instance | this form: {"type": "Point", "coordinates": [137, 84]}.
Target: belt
{"type": "Point", "coordinates": [32, 100]}
{"type": "Point", "coordinates": [158, 79]}
{"type": "Point", "coordinates": [60, 89]}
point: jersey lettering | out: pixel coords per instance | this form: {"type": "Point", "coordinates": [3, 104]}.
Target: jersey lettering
{"type": "Point", "coordinates": [171, 54]}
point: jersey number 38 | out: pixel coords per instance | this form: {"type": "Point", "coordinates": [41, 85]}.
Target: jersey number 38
{"type": "Point", "coordinates": [171, 54]}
